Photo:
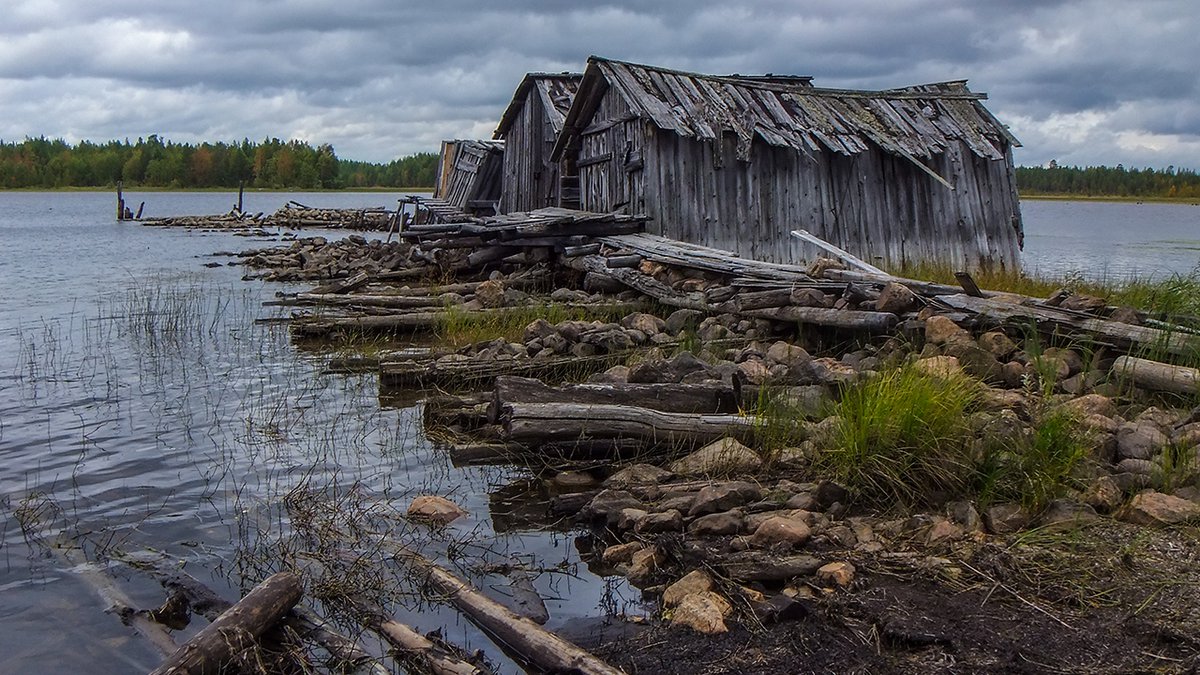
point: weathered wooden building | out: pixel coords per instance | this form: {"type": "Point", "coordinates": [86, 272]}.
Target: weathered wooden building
{"type": "Point", "coordinates": [899, 176]}
{"type": "Point", "coordinates": [529, 127]}
{"type": "Point", "coordinates": [470, 175]}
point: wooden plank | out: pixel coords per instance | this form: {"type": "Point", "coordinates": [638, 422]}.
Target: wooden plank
{"type": "Point", "coordinates": [848, 257]}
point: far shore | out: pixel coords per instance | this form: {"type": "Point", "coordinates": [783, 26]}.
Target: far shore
{"type": "Point", "coordinates": [139, 188]}
{"type": "Point", "coordinates": [1194, 201]}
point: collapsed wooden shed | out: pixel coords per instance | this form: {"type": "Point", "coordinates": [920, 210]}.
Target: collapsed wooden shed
{"type": "Point", "coordinates": [919, 174]}
{"type": "Point", "coordinates": [470, 175]}
{"type": "Point", "coordinates": [529, 127]}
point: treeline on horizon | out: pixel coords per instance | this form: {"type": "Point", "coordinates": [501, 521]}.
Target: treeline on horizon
{"type": "Point", "coordinates": [1104, 181]}
{"type": "Point", "coordinates": [152, 162]}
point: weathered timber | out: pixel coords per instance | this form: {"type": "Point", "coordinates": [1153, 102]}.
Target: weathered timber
{"type": "Point", "coordinates": [410, 321]}
{"type": "Point", "coordinates": [236, 629]}
{"type": "Point", "coordinates": [643, 283]}
{"type": "Point", "coordinates": [631, 260]}
{"type": "Point", "coordinates": [762, 299]}
{"type": "Point", "coordinates": [562, 422]}
{"type": "Point", "coordinates": [842, 254]}
{"type": "Point", "coordinates": [388, 301]}
{"type": "Point", "coordinates": [1158, 376]}
{"type": "Point", "coordinates": [680, 398]}
{"type": "Point", "coordinates": [1120, 335]}
{"type": "Point", "coordinates": [428, 372]}
{"type": "Point", "coordinates": [874, 322]}
{"type": "Point", "coordinates": [120, 604]}
{"type": "Point", "coordinates": [531, 642]}
{"type": "Point", "coordinates": [914, 285]}
{"type": "Point", "coordinates": [414, 648]}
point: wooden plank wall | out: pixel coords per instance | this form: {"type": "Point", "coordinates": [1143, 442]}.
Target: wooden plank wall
{"type": "Point", "coordinates": [468, 171]}
{"type": "Point", "coordinates": [530, 178]}
{"type": "Point", "coordinates": [607, 156]}
{"type": "Point", "coordinates": [875, 205]}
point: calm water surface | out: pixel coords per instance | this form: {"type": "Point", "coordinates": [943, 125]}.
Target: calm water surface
{"type": "Point", "coordinates": [142, 406]}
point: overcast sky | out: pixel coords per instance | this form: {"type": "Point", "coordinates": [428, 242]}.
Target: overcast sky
{"type": "Point", "coordinates": [1081, 81]}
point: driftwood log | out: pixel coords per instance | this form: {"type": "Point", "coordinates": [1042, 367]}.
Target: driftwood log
{"type": "Point", "coordinates": [236, 629]}
{"type": "Point", "coordinates": [677, 398]}
{"type": "Point", "coordinates": [529, 641]}
{"type": "Point", "coordinates": [1158, 376]}
{"type": "Point", "coordinates": [530, 423]}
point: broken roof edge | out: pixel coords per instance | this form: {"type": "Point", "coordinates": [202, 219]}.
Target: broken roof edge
{"type": "Point", "coordinates": [528, 82]}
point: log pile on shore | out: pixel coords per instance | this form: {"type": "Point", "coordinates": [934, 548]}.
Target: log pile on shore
{"type": "Point", "coordinates": [292, 215]}
{"type": "Point", "coordinates": [684, 412]}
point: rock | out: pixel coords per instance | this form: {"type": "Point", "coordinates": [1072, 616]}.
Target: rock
{"type": "Point", "coordinates": [1156, 508]}
{"type": "Point", "coordinates": [754, 371]}
{"type": "Point", "coordinates": [648, 324]}
{"type": "Point", "coordinates": [802, 501]}
{"type": "Point", "coordinates": [683, 319]}
{"type": "Point", "coordinates": [975, 360]}
{"type": "Point", "coordinates": [1132, 482]}
{"type": "Point", "coordinates": [827, 493]}
{"type": "Point", "coordinates": [809, 297]}
{"type": "Point", "coordinates": [681, 503]}
{"type": "Point", "coordinates": [1091, 404]}
{"type": "Point", "coordinates": [637, 474]}
{"type": "Point", "coordinates": [1064, 513]}
{"type": "Point", "coordinates": [945, 367]}
{"type": "Point", "coordinates": [1084, 303]}
{"type": "Point", "coordinates": [831, 371]}
{"type": "Point", "coordinates": [702, 612]}
{"type": "Point", "coordinates": [1139, 441]}
{"type": "Point", "coordinates": [434, 509]}
{"type": "Point", "coordinates": [490, 294]}
{"type": "Point", "coordinates": [571, 481]}
{"type": "Point", "coordinates": [627, 518]}
{"type": "Point", "coordinates": [665, 521]}
{"type": "Point", "coordinates": [724, 496]}
{"type": "Point", "coordinates": [942, 531]}
{"type": "Point", "coordinates": [1005, 518]}
{"type": "Point", "coordinates": [997, 343]}
{"type": "Point", "coordinates": [614, 375]}
{"type": "Point", "coordinates": [940, 330]}
{"type": "Point", "coordinates": [836, 574]}
{"type": "Point", "coordinates": [607, 504]}
{"type": "Point", "coordinates": [721, 457]}
{"type": "Point", "coordinates": [712, 332]}
{"type": "Point", "coordinates": [964, 513]}
{"type": "Point", "coordinates": [1103, 495]}
{"type": "Point", "coordinates": [621, 554]}
{"type": "Point", "coordinates": [781, 532]}
{"type": "Point", "coordinates": [783, 353]}
{"type": "Point", "coordinates": [643, 566]}
{"type": "Point", "coordinates": [896, 298]}
{"type": "Point", "coordinates": [1013, 374]}
{"type": "Point", "coordinates": [696, 581]}
{"type": "Point", "coordinates": [568, 295]}
{"type": "Point", "coordinates": [717, 524]}
{"type": "Point", "coordinates": [1126, 314]}
{"type": "Point", "coordinates": [1069, 357]}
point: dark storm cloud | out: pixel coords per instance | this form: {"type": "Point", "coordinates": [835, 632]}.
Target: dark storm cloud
{"type": "Point", "coordinates": [1083, 81]}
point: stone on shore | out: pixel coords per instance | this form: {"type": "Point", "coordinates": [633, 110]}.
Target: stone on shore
{"type": "Point", "coordinates": [435, 510]}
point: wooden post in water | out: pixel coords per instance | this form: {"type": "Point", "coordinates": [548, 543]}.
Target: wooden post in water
{"type": "Point", "coordinates": [241, 193]}
{"type": "Point", "coordinates": [120, 203]}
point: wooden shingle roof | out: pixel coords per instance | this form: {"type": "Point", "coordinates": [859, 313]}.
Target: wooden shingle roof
{"type": "Point", "coordinates": [557, 91]}
{"type": "Point", "coordinates": [912, 122]}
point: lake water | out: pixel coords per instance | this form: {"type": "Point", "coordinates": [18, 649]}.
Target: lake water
{"type": "Point", "coordinates": [143, 407]}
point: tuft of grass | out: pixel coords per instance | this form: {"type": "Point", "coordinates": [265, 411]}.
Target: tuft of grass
{"type": "Point", "coordinates": [459, 327]}
{"type": "Point", "coordinates": [1037, 468]}
{"type": "Point", "coordinates": [900, 436]}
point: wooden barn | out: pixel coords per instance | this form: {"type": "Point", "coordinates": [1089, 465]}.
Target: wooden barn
{"type": "Point", "coordinates": [470, 174]}
{"type": "Point", "coordinates": [530, 126]}
{"type": "Point", "coordinates": [908, 175]}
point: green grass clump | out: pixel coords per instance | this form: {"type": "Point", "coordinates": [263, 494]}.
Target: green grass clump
{"type": "Point", "coordinates": [901, 436]}
{"type": "Point", "coordinates": [1038, 467]}
{"type": "Point", "coordinates": [459, 327]}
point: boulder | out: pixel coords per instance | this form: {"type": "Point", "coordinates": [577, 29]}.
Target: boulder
{"type": "Point", "coordinates": [940, 330]}
{"type": "Point", "coordinates": [839, 574]}
{"type": "Point", "coordinates": [607, 505]}
{"type": "Point", "coordinates": [538, 329]}
{"type": "Point", "coordinates": [721, 457]}
{"type": "Point", "coordinates": [945, 367]}
{"type": "Point", "coordinates": [896, 298]}
{"type": "Point", "coordinates": [435, 510]}
{"type": "Point", "coordinates": [724, 496]}
{"type": "Point", "coordinates": [754, 371]}
{"type": "Point", "coordinates": [648, 324]}
{"type": "Point", "coordinates": [965, 514]}
{"type": "Point", "coordinates": [997, 343]}
{"type": "Point", "coordinates": [696, 581]}
{"type": "Point", "coordinates": [1156, 508]}
{"type": "Point", "coordinates": [1140, 440]}
{"type": "Point", "coordinates": [975, 360]}
{"type": "Point", "coordinates": [643, 566]}
{"type": "Point", "coordinates": [1005, 518]}
{"type": "Point", "coordinates": [1065, 514]}
{"type": "Point", "coordinates": [621, 554]}
{"type": "Point", "coordinates": [490, 294]}
{"type": "Point", "coordinates": [1103, 495]}
{"type": "Point", "coordinates": [790, 355]}
{"type": "Point", "coordinates": [702, 612]}
{"type": "Point", "coordinates": [683, 319]}
{"type": "Point", "coordinates": [717, 524]}
{"type": "Point", "coordinates": [665, 521]}
{"type": "Point", "coordinates": [781, 532]}
{"type": "Point", "coordinates": [637, 474]}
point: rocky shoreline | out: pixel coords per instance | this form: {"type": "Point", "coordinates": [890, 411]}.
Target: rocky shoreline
{"type": "Point", "coordinates": [696, 453]}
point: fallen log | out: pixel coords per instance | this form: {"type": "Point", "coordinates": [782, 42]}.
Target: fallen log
{"type": "Point", "coordinates": [120, 604]}
{"type": "Point", "coordinates": [531, 642]}
{"type": "Point", "coordinates": [1123, 336]}
{"type": "Point", "coordinates": [342, 286]}
{"type": "Point", "coordinates": [413, 647]}
{"type": "Point", "coordinates": [530, 423]}
{"type": "Point", "coordinates": [680, 398]}
{"type": "Point", "coordinates": [1158, 376]}
{"type": "Point", "coordinates": [388, 301]}
{"type": "Point", "coordinates": [236, 629]}
{"type": "Point", "coordinates": [873, 322]}
{"type": "Point", "coordinates": [428, 372]}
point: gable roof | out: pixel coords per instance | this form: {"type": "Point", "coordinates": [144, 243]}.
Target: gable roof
{"type": "Point", "coordinates": [557, 91]}
{"type": "Point", "coordinates": [911, 122]}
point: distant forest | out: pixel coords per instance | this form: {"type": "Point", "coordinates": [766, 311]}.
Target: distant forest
{"type": "Point", "coordinates": [151, 162]}
{"type": "Point", "coordinates": [1103, 181]}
